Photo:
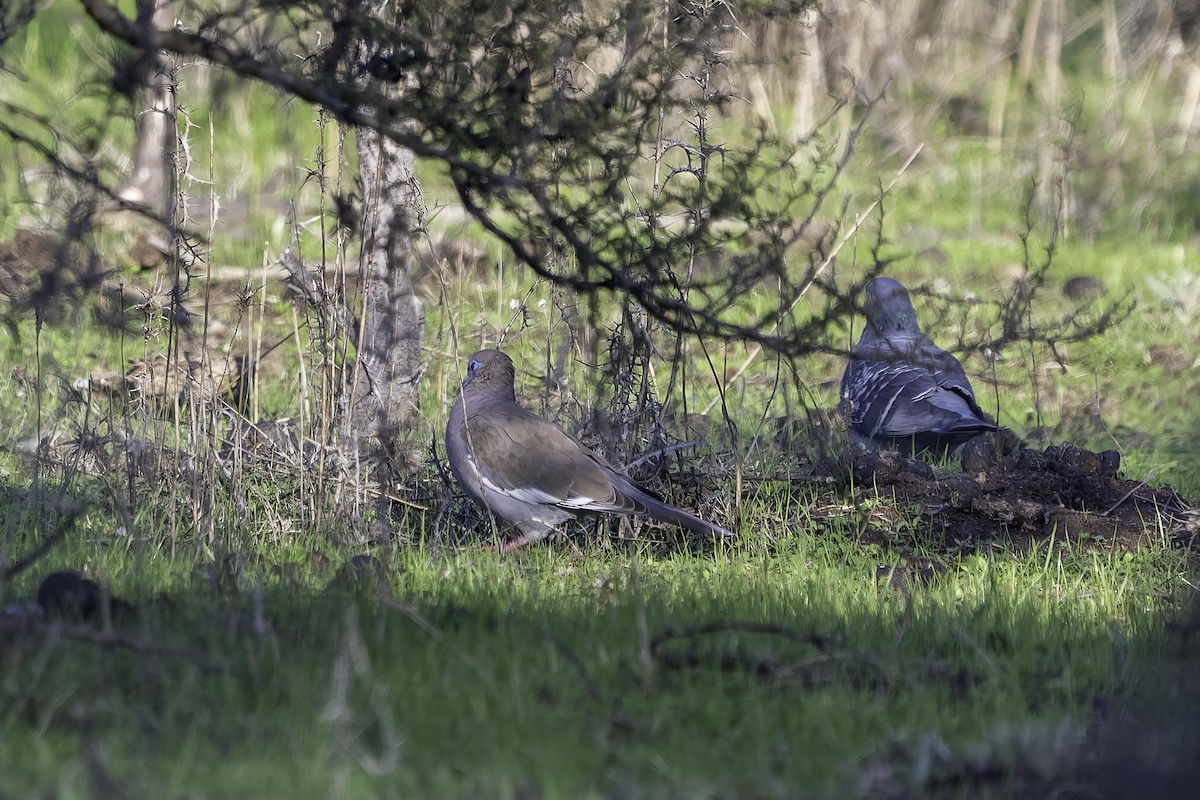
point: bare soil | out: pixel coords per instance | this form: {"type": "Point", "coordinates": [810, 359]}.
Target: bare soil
{"type": "Point", "coordinates": [1024, 498]}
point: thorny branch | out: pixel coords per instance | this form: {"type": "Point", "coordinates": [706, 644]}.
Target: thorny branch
{"type": "Point", "coordinates": [509, 162]}
{"type": "Point", "coordinates": [545, 165]}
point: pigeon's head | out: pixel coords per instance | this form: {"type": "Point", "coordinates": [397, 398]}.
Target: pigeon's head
{"type": "Point", "coordinates": [490, 368]}
{"type": "Point", "coordinates": [888, 308]}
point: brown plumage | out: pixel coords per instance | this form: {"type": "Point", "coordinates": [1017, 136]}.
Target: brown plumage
{"type": "Point", "coordinates": [527, 470]}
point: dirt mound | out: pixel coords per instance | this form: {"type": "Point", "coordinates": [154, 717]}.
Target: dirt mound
{"type": "Point", "coordinates": [1025, 497]}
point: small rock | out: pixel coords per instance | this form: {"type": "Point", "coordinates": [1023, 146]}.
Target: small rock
{"type": "Point", "coordinates": [1082, 287]}
{"type": "Point", "coordinates": [978, 455]}
{"type": "Point", "coordinates": [1007, 442]}
{"type": "Point", "coordinates": [1110, 463]}
{"type": "Point", "coordinates": [885, 466]}
{"type": "Point", "coordinates": [148, 253]}
{"type": "Point", "coordinates": [69, 596]}
{"type": "Point", "coordinates": [1075, 462]}
{"type": "Point", "coordinates": [917, 571]}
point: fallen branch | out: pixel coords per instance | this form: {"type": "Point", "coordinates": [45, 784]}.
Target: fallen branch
{"type": "Point", "coordinates": [110, 640]}
{"type": "Point", "coordinates": [763, 667]}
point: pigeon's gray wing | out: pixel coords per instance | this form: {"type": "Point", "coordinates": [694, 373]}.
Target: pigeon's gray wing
{"type": "Point", "coordinates": [889, 400]}
{"type": "Point", "coordinates": [946, 371]}
{"type": "Point", "coordinates": [902, 390]}
{"type": "Point", "coordinates": [901, 401]}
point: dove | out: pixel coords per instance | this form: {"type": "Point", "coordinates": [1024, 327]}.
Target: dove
{"type": "Point", "coordinates": [528, 471]}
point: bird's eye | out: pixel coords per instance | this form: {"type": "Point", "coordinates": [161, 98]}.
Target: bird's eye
{"type": "Point", "coordinates": [472, 365]}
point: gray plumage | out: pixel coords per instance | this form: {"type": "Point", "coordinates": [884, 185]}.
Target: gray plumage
{"type": "Point", "coordinates": [902, 391]}
{"type": "Point", "coordinates": [528, 471]}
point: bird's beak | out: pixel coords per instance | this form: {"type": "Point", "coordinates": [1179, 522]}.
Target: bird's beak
{"type": "Point", "coordinates": [471, 367]}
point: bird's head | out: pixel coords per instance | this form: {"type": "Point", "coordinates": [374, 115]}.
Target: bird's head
{"type": "Point", "coordinates": [888, 308]}
{"type": "Point", "coordinates": [490, 368]}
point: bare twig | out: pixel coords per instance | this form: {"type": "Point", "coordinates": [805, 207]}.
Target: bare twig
{"type": "Point", "coordinates": [1126, 496]}
{"type": "Point", "coordinates": [662, 452]}
{"type": "Point", "coordinates": [859, 221]}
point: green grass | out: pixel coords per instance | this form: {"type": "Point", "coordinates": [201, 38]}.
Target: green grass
{"type": "Point", "coordinates": [511, 675]}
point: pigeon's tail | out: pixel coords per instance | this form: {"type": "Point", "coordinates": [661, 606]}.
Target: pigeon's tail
{"type": "Point", "coordinates": [941, 442]}
{"type": "Point", "coordinates": [653, 507]}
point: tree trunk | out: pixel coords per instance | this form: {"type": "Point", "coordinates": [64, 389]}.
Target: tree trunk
{"type": "Point", "coordinates": [384, 399]}
{"type": "Point", "coordinates": [152, 182]}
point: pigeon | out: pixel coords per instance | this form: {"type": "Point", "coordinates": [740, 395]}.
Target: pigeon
{"type": "Point", "coordinates": [528, 471]}
{"type": "Point", "coordinates": [900, 390]}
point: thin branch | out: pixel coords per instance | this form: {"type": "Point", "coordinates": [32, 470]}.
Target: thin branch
{"type": "Point", "coordinates": [859, 220]}
{"type": "Point", "coordinates": [43, 547]}
{"type": "Point", "coordinates": [1108, 512]}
